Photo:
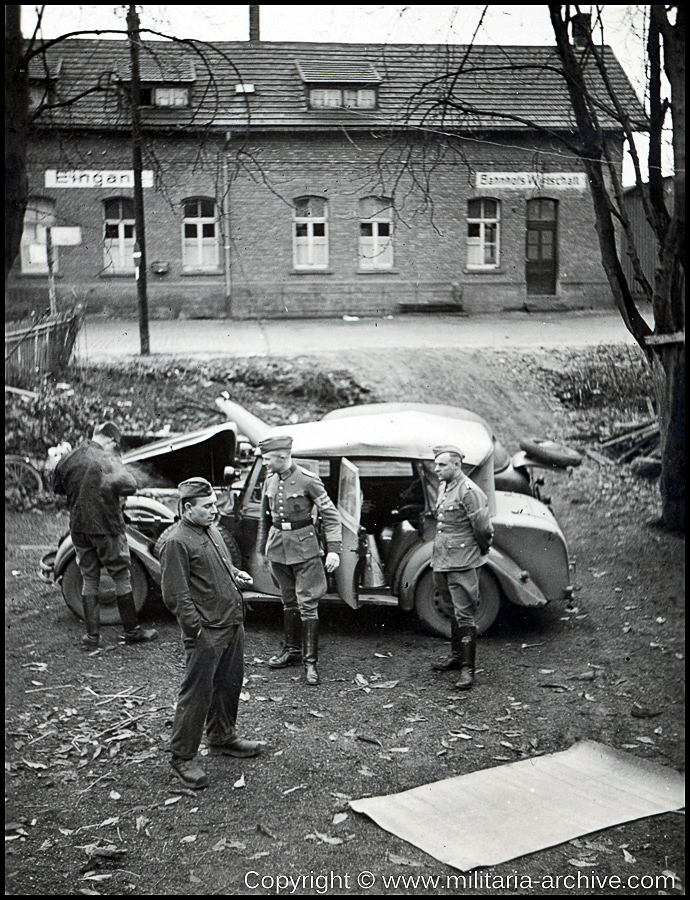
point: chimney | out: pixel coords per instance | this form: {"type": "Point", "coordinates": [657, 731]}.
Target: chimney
{"type": "Point", "coordinates": [582, 29]}
{"type": "Point", "coordinates": [254, 23]}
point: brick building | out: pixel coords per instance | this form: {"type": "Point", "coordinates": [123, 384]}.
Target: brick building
{"type": "Point", "coordinates": [305, 179]}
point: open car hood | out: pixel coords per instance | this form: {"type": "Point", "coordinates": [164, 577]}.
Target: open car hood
{"type": "Point", "coordinates": [204, 453]}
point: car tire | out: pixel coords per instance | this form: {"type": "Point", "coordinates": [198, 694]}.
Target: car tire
{"type": "Point", "coordinates": [72, 583]}
{"type": "Point", "coordinates": [434, 612]}
{"type": "Point", "coordinates": [22, 477]}
{"type": "Point", "coordinates": [551, 453]}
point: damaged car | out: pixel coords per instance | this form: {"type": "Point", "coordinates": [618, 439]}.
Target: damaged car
{"type": "Point", "coordinates": [377, 465]}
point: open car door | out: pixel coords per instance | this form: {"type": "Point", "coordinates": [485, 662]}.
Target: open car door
{"type": "Point", "coordinates": [350, 508]}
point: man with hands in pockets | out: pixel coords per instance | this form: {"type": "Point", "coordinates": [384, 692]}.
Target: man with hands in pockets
{"type": "Point", "coordinates": [201, 586]}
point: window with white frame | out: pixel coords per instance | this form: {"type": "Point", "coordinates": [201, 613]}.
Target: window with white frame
{"type": "Point", "coordinates": [200, 251]}
{"type": "Point", "coordinates": [350, 98]}
{"type": "Point", "coordinates": [483, 233]}
{"type": "Point", "coordinates": [39, 216]}
{"type": "Point", "coordinates": [119, 234]}
{"type": "Point", "coordinates": [310, 233]}
{"type": "Point", "coordinates": [171, 96]}
{"type": "Point", "coordinates": [376, 233]}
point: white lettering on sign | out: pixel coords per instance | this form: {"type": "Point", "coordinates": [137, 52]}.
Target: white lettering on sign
{"type": "Point", "coordinates": [95, 178]}
{"type": "Point", "coordinates": [554, 181]}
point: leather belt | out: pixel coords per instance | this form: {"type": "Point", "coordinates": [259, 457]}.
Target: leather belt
{"type": "Point", "coordinates": [292, 526]}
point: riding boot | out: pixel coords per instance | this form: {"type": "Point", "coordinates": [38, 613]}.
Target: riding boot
{"type": "Point", "coordinates": [290, 654]}
{"type": "Point", "coordinates": [468, 652]}
{"type": "Point", "coordinates": [92, 620]}
{"type": "Point", "coordinates": [134, 633]}
{"type": "Point", "coordinates": [454, 660]}
{"type": "Point", "coordinates": [310, 649]}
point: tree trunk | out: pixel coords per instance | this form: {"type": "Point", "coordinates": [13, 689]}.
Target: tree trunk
{"type": "Point", "coordinates": [16, 124]}
{"type": "Point", "coordinates": [668, 368]}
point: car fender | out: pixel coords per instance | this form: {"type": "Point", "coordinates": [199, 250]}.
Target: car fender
{"type": "Point", "coordinates": [515, 583]}
{"type": "Point", "coordinates": [138, 546]}
{"type": "Point", "coordinates": [150, 507]}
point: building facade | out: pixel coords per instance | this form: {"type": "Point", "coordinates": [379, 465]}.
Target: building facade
{"type": "Point", "coordinates": [309, 180]}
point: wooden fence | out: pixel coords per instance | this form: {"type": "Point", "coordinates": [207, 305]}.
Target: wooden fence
{"type": "Point", "coordinates": [44, 347]}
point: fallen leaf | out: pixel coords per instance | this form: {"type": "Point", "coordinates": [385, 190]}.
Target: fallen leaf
{"type": "Point", "coordinates": [339, 818]}
{"type": "Point", "coordinates": [141, 822]}
{"type": "Point", "coordinates": [644, 740]}
{"type": "Point", "coordinates": [115, 796]}
{"type": "Point", "coordinates": [628, 857]}
{"type": "Point", "coordinates": [399, 750]}
{"type": "Point", "coordinates": [582, 863]}
{"type": "Point", "coordinates": [240, 783]}
{"type": "Point", "coordinates": [189, 839]}
{"type": "Point", "coordinates": [402, 860]}
{"type": "Point", "coordinates": [172, 800]}
{"type": "Point", "coordinates": [361, 680]}
{"type": "Point", "coordinates": [386, 685]}
{"type": "Point", "coordinates": [327, 839]}
{"type": "Point", "coordinates": [316, 714]}
{"type": "Point", "coordinates": [297, 787]}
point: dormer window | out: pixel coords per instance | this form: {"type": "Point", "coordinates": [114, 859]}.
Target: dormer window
{"type": "Point", "coordinates": [339, 83]}
{"type": "Point", "coordinates": [348, 98]}
{"type": "Point", "coordinates": [164, 96]}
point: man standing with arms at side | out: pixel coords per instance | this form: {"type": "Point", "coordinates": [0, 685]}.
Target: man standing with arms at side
{"type": "Point", "coordinates": [290, 494]}
{"type": "Point", "coordinates": [463, 538]}
{"type": "Point", "coordinates": [95, 483]}
{"type": "Point", "coordinates": [200, 586]}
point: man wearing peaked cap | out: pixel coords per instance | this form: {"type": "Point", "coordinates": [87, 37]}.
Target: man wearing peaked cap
{"type": "Point", "coordinates": [286, 533]}
{"type": "Point", "coordinates": [95, 483]}
{"type": "Point", "coordinates": [201, 586]}
{"type": "Point", "coordinates": [463, 538]}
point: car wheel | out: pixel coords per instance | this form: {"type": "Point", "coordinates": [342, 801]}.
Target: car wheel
{"type": "Point", "coordinates": [434, 611]}
{"type": "Point", "coordinates": [22, 477]}
{"type": "Point", "coordinates": [232, 545]}
{"type": "Point", "coordinates": [551, 453]}
{"type": "Point", "coordinates": [72, 584]}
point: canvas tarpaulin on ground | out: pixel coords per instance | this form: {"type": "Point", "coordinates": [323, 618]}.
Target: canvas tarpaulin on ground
{"type": "Point", "coordinates": [493, 815]}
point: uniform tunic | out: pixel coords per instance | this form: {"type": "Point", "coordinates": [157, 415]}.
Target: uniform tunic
{"type": "Point", "coordinates": [463, 526]}
{"type": "Point", "coordinates": [292, 548]}
{"type": "Point", "coordinates": [287, 502]}
{"type": "Point", "coordinates": [463, 537]}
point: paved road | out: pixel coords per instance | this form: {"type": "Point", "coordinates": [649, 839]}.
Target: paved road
{"type": "Point", "coordinates": [100, 340]}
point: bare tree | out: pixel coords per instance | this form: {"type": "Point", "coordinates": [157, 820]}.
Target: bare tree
{"type": "Point", "coordinates": [446, 111]}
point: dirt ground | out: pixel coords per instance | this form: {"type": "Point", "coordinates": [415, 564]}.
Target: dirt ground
{"type": "Point", "coordinates": [91, 806]}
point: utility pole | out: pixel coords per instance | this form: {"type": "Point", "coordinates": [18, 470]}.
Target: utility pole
{"type": "Point", "coordinates": [134, 39]}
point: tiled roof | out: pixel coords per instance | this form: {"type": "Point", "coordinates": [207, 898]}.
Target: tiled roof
{"type": "Point", "coordinates": [499, 87]}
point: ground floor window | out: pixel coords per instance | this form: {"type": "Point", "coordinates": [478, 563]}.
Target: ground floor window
{"type": "Point", "coordinates": [119, 234]}
{"type": "Point", "coordinates": [310, 233]}
{"type": "Point", "coordinates": [376, 233]}
{"type": "Point", "coordinates": [200, 235]}
{"type": "Point", "coordinates": [483, 233]}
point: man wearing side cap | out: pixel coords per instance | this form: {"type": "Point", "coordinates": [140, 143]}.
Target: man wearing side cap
{"type": "Point", "coordinates": [463, 538]}
{"type": "Point", "coordinates": [201, 586]}
{"type": "Point", "coordinates": [95, 483]}
{"type": "Point", "coordinates": [290, 495]}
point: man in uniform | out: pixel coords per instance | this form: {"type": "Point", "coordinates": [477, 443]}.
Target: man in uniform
{"type": "Point", "coordinates": [290, 495]}
{"type": "Point", "coordinates": [201, 586]}
{"type": "Point", "coordinates": [95, 483]}
{"type": "Point", "coordinates": [463, 538]}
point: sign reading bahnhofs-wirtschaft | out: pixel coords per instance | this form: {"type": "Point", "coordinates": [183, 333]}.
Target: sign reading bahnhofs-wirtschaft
{"type": "Point", "coordinates": [95, 178]}
{"type": "Point", "coordinates": [541, 181]}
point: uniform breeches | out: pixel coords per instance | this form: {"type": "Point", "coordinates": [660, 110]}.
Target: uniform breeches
{"type": "Point", "coordinates": [210, 691]}
{"type": "Point", "coordinates": [107, 551]}
{"type": "Point", "coordinates": [301, 585]}
{"type": "Point", "coordinates": [462, 586]}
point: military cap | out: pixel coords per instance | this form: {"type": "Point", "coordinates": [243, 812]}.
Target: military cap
{"type": "Point", "coordinates": [277, 442]}
{"type": "Point", "coordinates": [456, 450]}
{"type": "Point", "coordinates": [195, 487]}
{"type": "Point", "coordinates": [109, 430]}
